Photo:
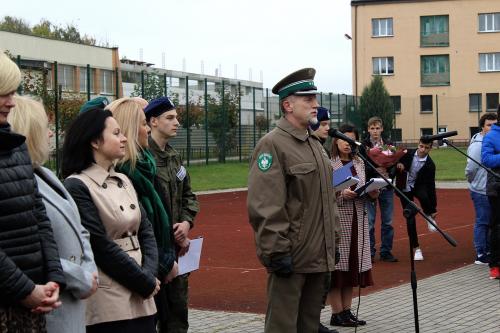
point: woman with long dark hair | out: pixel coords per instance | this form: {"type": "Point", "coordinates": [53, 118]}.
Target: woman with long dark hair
{"type": "Point", "coordinates": [120, 234]}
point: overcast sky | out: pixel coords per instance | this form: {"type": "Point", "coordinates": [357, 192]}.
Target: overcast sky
{"type": "Point", "coordinates": [272, 36]}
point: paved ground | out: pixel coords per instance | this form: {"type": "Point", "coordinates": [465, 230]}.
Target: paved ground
{"type": "Point", "coordinates": [460, 301]}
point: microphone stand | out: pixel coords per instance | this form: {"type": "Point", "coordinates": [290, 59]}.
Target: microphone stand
{"type": "Point", "coordinates": [488, 170]}
{"type": "Point", "coordinates": [409, 212]}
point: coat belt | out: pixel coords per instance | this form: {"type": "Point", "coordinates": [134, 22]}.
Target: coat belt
{"type": "Point", "coordinates": [128, 243]}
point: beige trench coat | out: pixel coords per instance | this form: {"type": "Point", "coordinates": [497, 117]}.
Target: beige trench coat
{"type": "Point", "coordinates": [116, 200]}
{"type": "Point", "coordinates": [291, 204]}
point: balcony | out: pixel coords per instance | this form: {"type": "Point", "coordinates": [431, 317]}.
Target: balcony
{"type": "Point", "coordinates": [433, 40]}
{"type": "Point", "coordinates": [435, 79]}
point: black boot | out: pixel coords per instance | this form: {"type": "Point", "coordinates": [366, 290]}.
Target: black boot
{"type": "Point", "coordinates": [343, 319]}
{"type": "Point", "coordinates": [323, 329]}
{"type": "Point", "coordinates": [353, 317]}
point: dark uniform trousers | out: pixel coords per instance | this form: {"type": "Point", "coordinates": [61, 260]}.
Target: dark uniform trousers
{"type": "Point", "coordinates": [174, 306]}
{"type": "Point", "coordinates": [295, 302]}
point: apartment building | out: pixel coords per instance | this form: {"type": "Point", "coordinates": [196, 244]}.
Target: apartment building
{"type": "Point", "coordinates": [440, 60]}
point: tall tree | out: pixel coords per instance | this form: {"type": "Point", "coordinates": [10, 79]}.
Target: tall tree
{"type": "Point", "coordinates": [154, 86]}
{"type": "Point", "coordinates": [375, 101]}
{"type": "Point", "coordinates": [223, 120]}
{"type": "Point", "coordinates": [14, 24]}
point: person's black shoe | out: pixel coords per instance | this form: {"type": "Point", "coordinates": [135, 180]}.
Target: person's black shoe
{"type": "Point", "coordinates": [342, 319]}
{"type": "Point", "coordinates": [388, 257]}
{"type": "Point", "coordinates": [354, 318]}
{"type": "Point", "coordinates": [323, 329]}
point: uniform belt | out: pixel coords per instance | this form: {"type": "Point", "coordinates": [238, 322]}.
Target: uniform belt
{"type": "Point", "coordinates": [128, 243]}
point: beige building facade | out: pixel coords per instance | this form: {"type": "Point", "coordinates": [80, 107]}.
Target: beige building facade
{"type": "Point", "coordinates": [440, 61]}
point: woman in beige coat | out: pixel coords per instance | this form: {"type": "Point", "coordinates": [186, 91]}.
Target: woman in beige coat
{"type": "Point", "coordinates": [120, 234]}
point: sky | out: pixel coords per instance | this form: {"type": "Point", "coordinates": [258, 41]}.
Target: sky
{"type": "Point", "coordinates": [272, 37]}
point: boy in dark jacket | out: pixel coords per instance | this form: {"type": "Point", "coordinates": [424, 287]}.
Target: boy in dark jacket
{"type": "Point", "coordinates": [416, 178]}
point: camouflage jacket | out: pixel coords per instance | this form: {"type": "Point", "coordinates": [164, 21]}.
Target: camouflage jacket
{"type": "Point", "coordinates": [175, 183]}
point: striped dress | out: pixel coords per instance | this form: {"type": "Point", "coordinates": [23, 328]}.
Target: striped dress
{"type": "Point", "coordinates": [355, 237]}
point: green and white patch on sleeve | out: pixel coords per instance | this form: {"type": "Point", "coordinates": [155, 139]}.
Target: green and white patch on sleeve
{"type": "Point", "coordinates": [264, 161]}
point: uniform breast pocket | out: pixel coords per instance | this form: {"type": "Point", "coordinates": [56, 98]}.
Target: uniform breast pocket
{"type": "Point", "coordinates": [303, 170]}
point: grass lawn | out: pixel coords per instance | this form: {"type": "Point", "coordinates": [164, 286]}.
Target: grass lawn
{"type": "Point", "coordinates": [450, 165]}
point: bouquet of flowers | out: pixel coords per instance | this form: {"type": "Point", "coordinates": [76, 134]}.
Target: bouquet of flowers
{"type": "Point", "coordinates": [386, 155]}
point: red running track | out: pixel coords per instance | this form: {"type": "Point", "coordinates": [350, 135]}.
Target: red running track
{"type": "Point", "coordinates": [232, 279]}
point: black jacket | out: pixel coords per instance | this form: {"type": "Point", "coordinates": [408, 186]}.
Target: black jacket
{"type": "Point", "coordinates": [425, 183]}
{"type": "Point", "coordinates": [28, 251]}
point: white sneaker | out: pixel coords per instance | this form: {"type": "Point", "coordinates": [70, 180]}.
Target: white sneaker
{"type": "Point", "coordinates": [418, 255]}
{"type": "Point", "coordinates": [431, 227]}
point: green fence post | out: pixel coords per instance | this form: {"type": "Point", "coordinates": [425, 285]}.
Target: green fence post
{"type": "Point", "coordinates": [56, 112]}
{"type": "Point", "coordinates": [20, 88]}
{"type": "Point", "coordinates": [188, 125]}
{"type": "Point", "coordinates": [267, 109]}
{"type": "Point", "coordinates": [437, 114]}
{"type": "Point", "coordinates": [346, 111]}
{"type": "Point", "coordinates": [88, 82]}
{"type": "Point", "coordinates": [142, 84]}
{"type": "Point", "coordinates": [165, 83]}
{"type": "Point", "coordinates": [223, 124]}
{"type": "Point", "coordinates": [239, 119]}
{"type": "Point", "coordinates": [321, 99]}
{"type": "Point", "coordinates": [339, 113]}
{"type": "Point", "coordinates": [117, 82]}
{"type": "Point", "coordinates": [207, 151]}
{"type": "Point", "coordinates": [254, 117]}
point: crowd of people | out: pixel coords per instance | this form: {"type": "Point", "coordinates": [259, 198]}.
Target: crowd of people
{"type": "Point", "coordinates": [308, 232]}
{"type": "Point", "coordinates": [99, 251]}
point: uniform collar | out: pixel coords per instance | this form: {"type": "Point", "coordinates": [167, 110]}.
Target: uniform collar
{"type": "Point", "coordinates": [300, 134]}
{"type": "Point", "coordinates": [98, 174]}
{"type": "Point", "coordinates": [153, 146]}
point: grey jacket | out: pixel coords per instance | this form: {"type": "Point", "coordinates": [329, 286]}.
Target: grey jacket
{"type": "Point", "coordinates": [476, 176]}
{"type": "Point", "coordinates": [76, 255]}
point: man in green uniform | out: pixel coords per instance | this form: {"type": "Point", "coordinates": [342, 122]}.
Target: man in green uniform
{"type": "Point", "coordinates": [181, 201]}
{"type": "Point", "coordinates": [293, 211]}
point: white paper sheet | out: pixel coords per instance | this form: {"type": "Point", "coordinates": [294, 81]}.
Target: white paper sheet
{"type": "Point", "coordinates": [191, 260]}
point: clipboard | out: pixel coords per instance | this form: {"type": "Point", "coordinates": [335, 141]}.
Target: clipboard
{"type": "Point", "coordinates": [371, 185]}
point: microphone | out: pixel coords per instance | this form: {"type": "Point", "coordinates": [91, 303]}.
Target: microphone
{"type": "Point", "coordinates": [339, 135]}
{"type": "Point", "coordinates": [439, 136]}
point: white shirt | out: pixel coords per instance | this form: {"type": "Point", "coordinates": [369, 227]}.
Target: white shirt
{"type": "Point", "coordinates": [416, 165]}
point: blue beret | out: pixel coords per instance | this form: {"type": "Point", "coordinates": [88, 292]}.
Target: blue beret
{"type": "Point", "coordinates": [99, 102]}
{"type": "Point", "coordinates": [323, 114]}
{"type": "Point", "coordinates": [158, 106]}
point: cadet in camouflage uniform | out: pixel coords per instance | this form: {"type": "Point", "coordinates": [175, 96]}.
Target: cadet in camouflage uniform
{"type": "Point", "coordinates": [182, 205]}
{"type": "Point", "coordinates": [293, 211]}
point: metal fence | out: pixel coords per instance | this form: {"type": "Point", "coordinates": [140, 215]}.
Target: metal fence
{"type": "Point", "coordinates": [221, 120]}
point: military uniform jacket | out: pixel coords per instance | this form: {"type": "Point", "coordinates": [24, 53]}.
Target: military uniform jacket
{"type": "Point", "coordinates": [291, 202]}
{"type": "Point", "coordinates": [175, 184]}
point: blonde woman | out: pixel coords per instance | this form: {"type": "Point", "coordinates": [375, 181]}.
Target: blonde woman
{"type": "Point", "coordinates": [30, 269]}
{"type": "Point", "coordinates": [28, 118]}
{"type": "Point", "coordinates": [140, 166]}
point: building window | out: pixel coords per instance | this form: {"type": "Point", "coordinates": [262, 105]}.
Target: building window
{"type": "Point", "coordinates": [434, 31]}
{"type": "Point", "coordinates": [66, 77]}
{"type": "Point", "coordinates": [382, 27]}
{"type": "Point", "coordinates": [107, 82]}
{"type": "Point", "coordinates": [426, 131]}
{"type": "Point", "coordinates": [396, 134]}
{"type": "Point", "coordinates": [491, 101]}
{"type": "Point", "coordinates": [475, 102]}
{"type": "Point", "coordinates": [131, 77]}
{"type": "Point", "coordinates": [396, 104]}
{"type": "Point", "coordinates": [489, 22]}
{"type": "Point", "coordinates": [383, 66]}
{"type": "Point", "coordinates": [435, 70]}
{"type": "Point", "coordinates": [83, 79]}
{"type": "Point", "coordinates": [489, 62]}
{"type": "Point", "coordinates": [425, 103]}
